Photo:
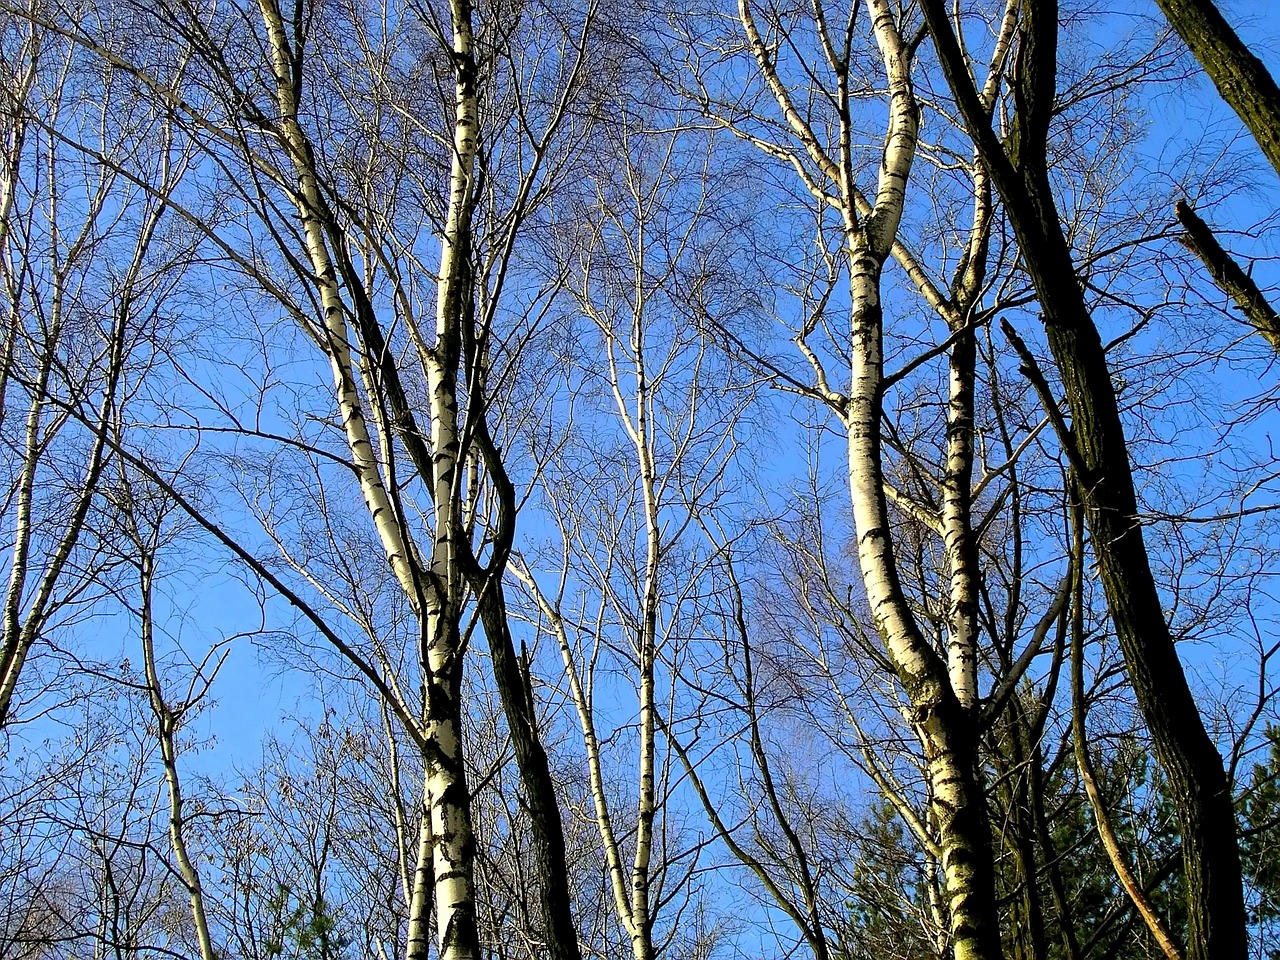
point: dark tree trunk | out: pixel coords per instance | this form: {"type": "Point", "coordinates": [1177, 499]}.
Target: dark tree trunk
{"type": "Point", "coordinates": [1229, 275]}
{"type": "Point", "coordinates": [535, 776]}
{"type": "Point", "coordinates": [1192, 765]}
{"type": "Point", "coordinates": [1241, 79]}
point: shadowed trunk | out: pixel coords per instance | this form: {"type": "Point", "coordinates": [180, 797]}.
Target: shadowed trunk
{"type": "Point", "coordinates": [1241, 78]}
{"type": "Point", "coordinates": [535, 775]}
{"type": "Point", "coordinates": [1191, 763]}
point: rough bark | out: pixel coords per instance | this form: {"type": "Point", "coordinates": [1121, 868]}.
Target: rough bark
{"type": "Point", "coordinates": [1187, 754]}
{"type": "Point", "coordinates": [1229, 275]}
{"type": "Point", "coordinates": [1241, 78]}
{"type": "Point", "coordinates": [535, 774]}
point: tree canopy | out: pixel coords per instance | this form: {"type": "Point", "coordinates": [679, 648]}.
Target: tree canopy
{"type": "Point", "coordinates": [510, 478]}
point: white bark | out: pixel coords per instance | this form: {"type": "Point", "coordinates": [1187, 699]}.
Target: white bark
{"type": "Point", "coordinates": [420, 896]}
{"type": "Point", "coordinates": [870, 235]}
{"type": "Point", "coordinates": [631, 900]}
{"type": "Point", "coordinates": [448, 830]}
{"type": "Point", "coordinates": [310, 204]}
{"type": "Point", "coordinates": [957, 483]}
{"type": "Point", "coordinates": [453, 840]}
{"type": "Point", "coordinates": [957, 799]}
{"type": "Point", "coordinates": [867, 248]}
{"type": "Point", "coordinates": [962, 655]}
{"type": "Point", "coordinates": [17, 641]}
{"type": "Point", "coordinates": [646, 646]}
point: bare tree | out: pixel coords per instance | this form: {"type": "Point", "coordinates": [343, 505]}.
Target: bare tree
{"type": "Point", "coordinates": [81, 285]}
{"type": "Point", "coordinates": [1100, 459]}
{"type": "Point", "coordinates": [341, 266]}
{"type": "Point", "coordinates": [822, 669]}
{"type": "Point", "coordinates": [643, 456]}
{"type": "Point", "coordinates": [809, 69]}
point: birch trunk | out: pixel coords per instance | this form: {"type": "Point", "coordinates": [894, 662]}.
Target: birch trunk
{"type": "Point", "coordinates": [641, 909]}
{"type": "Point", "coordinates": [958, 539]}
{"type": "Point", "coordinates": [640, 429]}
{"type": "Point", "coordinates": [1199, 786]}
{"type": "Point", "coordinates": [947, 730]}
{"type": "Point", "coordinates": [310, 203]}
{"type": "Point", "coordinates": [437, 601]}
{"type": "Point", "coordinates": [420, 899]}
{"type": "Point", "coordinates": [452, 837]}
{"type": "Point", "coordinates": [453, 852]}
{"type": "Point", "coordinates": [942, 693]}
{"type": "Point", "coordinates": [167, 721]}
{"type": "Point", "coordinates": [940, 711]}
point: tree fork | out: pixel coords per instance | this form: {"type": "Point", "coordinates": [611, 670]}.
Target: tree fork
{"type": "Point", "coordinates": [1201, 794]}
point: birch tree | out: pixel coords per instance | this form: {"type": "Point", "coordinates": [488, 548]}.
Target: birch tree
{"type": "Point", "coordinates": [822, 150]}
{"type": "Point", "coordinates": [81, 263]}
{"type": "Point", "coordinates": [142, 516]}
{"type": "Point", "coordinates": [461, 447]}
{"type": "Point", "coordinates": [645, 454]}
{"type": "Point", "coordinates": [341, 268]}
{"type": "Point", "coordinates": [441, 264]}
{"type": "Point", "coordinates": [1020, 171]}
